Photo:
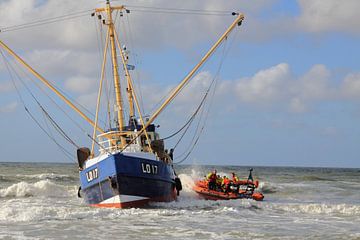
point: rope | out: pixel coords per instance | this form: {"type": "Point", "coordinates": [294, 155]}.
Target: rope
{"type": "Point", "coordinates": [46, 21]}
{"type": "Point", "coordinates": [44, 111]}
{"type": "Point", "coordinates": [225, 53]}
{"type": "Point", "coordinates": [177, 10]}
{"type": "Point", "coordinates": [191, 118]}
{"type": "Point", "coordinates": [137, 78]}
{"type": "Point", "coordinates": [56, 126]}
{"type": "Point", "coordinates": [65, 152]}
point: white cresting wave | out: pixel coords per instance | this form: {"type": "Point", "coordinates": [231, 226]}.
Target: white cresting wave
{"type": "Point", "coordinates": [45, 200]}
{"type": "Point", "coordinates": [44, 176]}
{"type": "Point", "coordinates": [41, 188]}
{"type": "Point", "coordinates": [317, 208]}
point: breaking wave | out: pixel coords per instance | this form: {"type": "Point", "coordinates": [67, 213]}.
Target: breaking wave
{"type": "Point", "coordinates": [316, 208]}
{"type": "Point", "coordinates": [266, 187]}
{"type": "Point", "coordinates": [47, 176]}
{"type": "Point", "coordinates": [315, 178]}
{"type": "Point", "coordinates": [41, 188]}
{"type": "Point", "coordinates": [36, 177]}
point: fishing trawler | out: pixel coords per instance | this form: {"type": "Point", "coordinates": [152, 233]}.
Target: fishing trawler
{"type": "Point", "coordinates": [132, 166]}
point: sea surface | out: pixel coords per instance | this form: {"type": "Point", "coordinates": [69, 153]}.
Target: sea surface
{"type": "Point", "coordinates": [39, 201]}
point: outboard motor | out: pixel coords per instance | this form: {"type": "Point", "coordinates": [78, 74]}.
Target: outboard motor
{"type": "Point", "coordinates": [82, 155]}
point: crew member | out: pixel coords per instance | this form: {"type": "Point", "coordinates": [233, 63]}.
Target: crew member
{"type": "Point", "coordinates": [226, 184]}
{"type": "Point", "coordinates": [211, 177]}
{"type": "Point", "coordinates": [218, 182]}
{"type": "Point", "coordinates": [234, 178]}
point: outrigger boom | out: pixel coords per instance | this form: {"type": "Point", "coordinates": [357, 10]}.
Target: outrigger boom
{"type": "Point", "coordinates": [49, 85]}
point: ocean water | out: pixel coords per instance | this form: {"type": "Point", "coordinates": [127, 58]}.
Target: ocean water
{"type": "Point", "coordinates": [39, 201]}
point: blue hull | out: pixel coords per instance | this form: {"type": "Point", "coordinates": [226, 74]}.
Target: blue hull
{"type": "Point", "coordinates": [125, 180]}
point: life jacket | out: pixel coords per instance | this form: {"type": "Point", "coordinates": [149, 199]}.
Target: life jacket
{"type": "Point", "coordinates": [219, 181]}
{"type": "Point", "coordinates": [212, 177]}
{"type": "Point", "coordinates": [235, 178]}
{"type": "Point", "coordinates": [225, 181]}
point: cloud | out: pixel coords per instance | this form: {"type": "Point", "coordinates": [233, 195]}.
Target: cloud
{"type": "Point", "coordinates": [277, 86]}
{"type": "Point", "coordinates": [61, 34]}
{"type": "Point", "coordinates": [329, 131]}
{"type": "Point", "coordinates": [80, 84]}
{"type": "Point", "coordinates": [274, 87]}
{"type": "Point", "coordinates": [88, 100]}
{"type": "Point", "coordinates": [314, 84]}
{"type": "Point", "coordinates": [350, 88]}
{"type": "Point", "coordinates": [266, 85]}
{"type": "Point", "coordinates": [329, 15]}
{"type": "Point", "coordinates": [187, 30]}
{"type": "Point", "coordinates": [57, 62]}
{"type": "Point", "coordinates": [145, 29]}
{"type": "Point", "coordinates": [8, 108]}
{"type": "Point", "coordinates": [6, 87]}
{"type": "Point", "coordinates": [297, 105]}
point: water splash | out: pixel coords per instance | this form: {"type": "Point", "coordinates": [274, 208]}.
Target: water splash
{"type": "Point", "coordinates": [40, 188]}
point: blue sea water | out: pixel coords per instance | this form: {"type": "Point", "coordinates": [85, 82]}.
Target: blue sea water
{"type": "Point", "coordinates": [39, 201]}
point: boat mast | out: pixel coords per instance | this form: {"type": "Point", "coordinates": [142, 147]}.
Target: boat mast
{"type": "Point", "coordinates": [117, 86]}
{"type": "Point", "coordinates": [131, 93]}
{"type": "Point", "coordinates": [129, 88]}
{"type": "Point", "coordinates": [99, 92]}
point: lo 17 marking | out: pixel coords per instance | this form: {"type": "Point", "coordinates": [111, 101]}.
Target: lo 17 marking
{"type": "Point", "coordinates": [149, 168]}
{"type": "Point", "coordinates": [92, 174]}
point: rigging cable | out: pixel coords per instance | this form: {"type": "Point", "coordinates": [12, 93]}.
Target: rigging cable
{"type": "Point", "coordinates": [52, 100]}
{"type": "Point", "coordinates": [149, 9]}
{"type": "Point", "coordinates": [100, 45]}
{"type": "Point", "coordinates": [62, 149]}
{"type": "Point", "coordinates": [194, 114]}
{"type": "Point", "coordinates": [191, 118]}
{"type": "Point", "coordinates": [56, 126]}
{"type": "Point", "coordinates": [137, 62]}
{"type": "Point", "coordinates": [107, 89]}
{"type": "Point", "coordinates": [225, 53]}
{"type": "Point", "coordinates": [46, 21]}
{"type": "Point", "coordinates": [198, 133]}
{"type": "Point", "coordinates": [201, 130]}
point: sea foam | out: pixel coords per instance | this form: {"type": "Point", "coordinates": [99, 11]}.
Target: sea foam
{"type": "Point", "coordinates": [40, 188]}
{"type": "Point", "coordinates": [316, 208]}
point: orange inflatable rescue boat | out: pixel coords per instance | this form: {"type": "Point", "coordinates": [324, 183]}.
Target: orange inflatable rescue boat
{"type": "Point", "coordinates": [233, 190]}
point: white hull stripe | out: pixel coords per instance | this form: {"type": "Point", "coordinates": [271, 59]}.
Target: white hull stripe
{"type": "Point", "coordinates": [123, 199]}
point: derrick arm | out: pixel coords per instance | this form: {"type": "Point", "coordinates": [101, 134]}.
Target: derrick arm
{"type": "Point", "coordinates": [99, 92]}
{"type": "Point", "coordinates": [237, 21]}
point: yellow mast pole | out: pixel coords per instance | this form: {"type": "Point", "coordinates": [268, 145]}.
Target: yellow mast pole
{"type": "Point", "coordinates": [133, 94]}
{"type": "Point", "coordinates": [237, 21]}
{"type": "Point", "coordinates": [119, 103]}
{"type": "Point", "coordinates": [49, 85]}
{"type": "Point", "coordinates": [99, 92]}
{"type": "Point", "coordinates": [129, 88]}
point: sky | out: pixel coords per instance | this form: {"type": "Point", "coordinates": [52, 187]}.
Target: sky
{"type": "Point", "coordinates": [287, 80]}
